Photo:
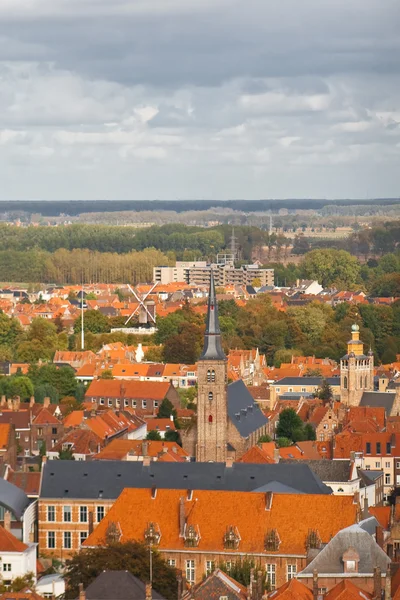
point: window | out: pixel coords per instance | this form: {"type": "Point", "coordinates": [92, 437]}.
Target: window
{"type": "Point", "coordinates": [133, 403]}
{"type": "Point", "coordinates": [210, 418]}
{"type": "Point", "coordinates": [213, 376]}
{"type": "Point", "coordinates": [377, 465]}
{"type": "Point", "coordinates": [290, 389]}
{"type": "Point", "coordinates": [388, 448]}
{"type": "Point", "coordinates": [171, 562]}
{"type": "Point", "coordinates": [210, 396]}
{"type": "Point", "coordinates": [101, 401]}
{"type": "Point", "coordinates": [271, 575]}
{"type": "Point", "coordinates": [17, 435]}
{"type": "Point", "coordinates": [100, 513]}
{"type": "Point", "coordinates": [67, 540]}
{"type": "Point", "coordinates": [325, 425]}
{"type": "Point", "coordinates": [291, 571]}
{"type": "Point", "coordinates": [278, 390]}
{"type": "Point", "coordinates": [367, 467]}
{"type": "Point", "coordinates": [144, 403]}
{"type": "Point", "coordinates": [208, 376]}
{"type": "Point", "coordinates": [126, 403]}
{"type": "Point", "coordinates": [368, 448]}
{"type": "Point", "coordinates": [51, 539]}
{"type": "Point", "coordinates": [210, 566]}
{"type": "Point", "coordinates": [345, 383]}
{"type": "Point", "coordinates": [398, 465]}
{"type": "Point", "coordinates": [228, 565]}
{"type": "Point", "coordinates": [387, 465]}
{"type": "Point", "coordinates": [51, 513]}
{"type": "Point", "coordinates": [83, 514]}
{"type": "Point", "coordinates": [67, 514]}
{"type": "Point", "coordinates": [82, 536]}
{"type": "Point", "coordinates": [155, 404]}
{"type": "Point", "coordinates": [387, 478]}
{"type": "Point", "coordinates": [190, 571]}
{"type": "Point", "coordinates": [54, 431]}
{"type": "Point", "coordinates": [303, 390]}
{"type": "Point", "coordinates": [6, 566]}
{"type": "Point", "coordinates": [109, 402]}
{"type": "Point", "coordinates": [378, 447]}
{"type": "Point", "coordinates": [40, 431]}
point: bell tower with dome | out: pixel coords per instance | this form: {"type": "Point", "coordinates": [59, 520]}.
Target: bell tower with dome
{"type": "Point", "coordinates": [356, 370]}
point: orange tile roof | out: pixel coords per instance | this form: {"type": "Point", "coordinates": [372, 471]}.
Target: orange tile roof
{"type": "Point", "coordinates": [346, 590]}
{"type": "Point", "coordinates": [9, 543]}
{"type": "Point", "coordinates": [118, 388]}
{"type": "Point", "coordinates": [360, 413]}
{"type": "Point", "coordinates": [83, 441]}
{"type": "Point", "coordinates": [292, 590]}
{"type": "Point", "coordinates": [211, 512]}
{"type": "Point", "coordinates": [44, 417]}
{"type": "Point", "coordinates": [5, 432]}
{"type": "Point", "coordinates": [130, 370]}
{"type": "Point", "coordinates": [160, 425]}
{"type": "Point", "coordinates": [28, 482]}
{"type": "Point", "coordinates": [26, 594]}
{"type": "Point", "coordinates": [74, 419]}
{"type": "Point", "coordinates": [118, 449]}
{"type": "Point", "coordinates": [257, 455]}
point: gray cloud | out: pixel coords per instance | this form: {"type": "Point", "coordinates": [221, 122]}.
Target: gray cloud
{"type": "Point", "coordinates": [207, 98]}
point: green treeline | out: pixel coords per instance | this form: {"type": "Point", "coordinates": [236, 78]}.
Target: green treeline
{"type": "Point", "coordinates": [75, 266]}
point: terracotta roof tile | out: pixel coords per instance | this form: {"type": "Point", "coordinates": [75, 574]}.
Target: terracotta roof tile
{"type": "Point", "coordinates": [74, 419]}
{"type": "Point", "coordinates": [211, 512]}
{"type": "Point", "coordinates": [292, 590]}
{"type": "Point", "coordinates": [112, 388]}
{"type": "Point", "coordinates": [9, 543]}
{"type": "Point", "coordinates": [28, 482]}
{"type": "Point", "coordinates": [119, 448]}
{"type": "Point", "coordinates": [5, 432]}
{"type": "Point", "coordinates": [44, 417]}
{"type": "Point", "coordinates": [346, 590]}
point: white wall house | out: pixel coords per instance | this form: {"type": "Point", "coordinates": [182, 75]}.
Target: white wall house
{"type": "Point", "coordinates": [16, 558]}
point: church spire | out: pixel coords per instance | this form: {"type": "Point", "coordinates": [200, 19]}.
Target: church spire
{"type": "Point", "coordinates": [212, 340]}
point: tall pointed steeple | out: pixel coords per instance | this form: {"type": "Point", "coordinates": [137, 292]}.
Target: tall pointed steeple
{"type": "Point", "coordinates": [212, 340]}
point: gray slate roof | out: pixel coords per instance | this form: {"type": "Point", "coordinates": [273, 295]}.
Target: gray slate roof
{"type": "Point", "coordinates": [243, 411]}
{"type": "Point", "coordinates": [118, 585]}
{"type": "Point", "coordinates": [107, 479]}
{"type": "Point", "coordinates": [327, 470]}
{"type": "Point", "coordinates": [13, 498]}
{"type": "Point", "coordinates": [329, 560]}
{"type": "Point", "coordinates": [384, 399]}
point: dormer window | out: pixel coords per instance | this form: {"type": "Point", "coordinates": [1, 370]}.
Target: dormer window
{"type": "Point", "coordinates": [231, 538]}
{"type": "Point", "coordinates": [113, 533]}
{"type": "Point", "coordinates": [313, 539]}
{"type": "Point", "coordinates": [350, 559]}
{"type": "Point", "coordinates": [272, 540]}
{"type": "Point", "coordinates": [152, 534]}
{"type": "Point", "coordinates": [191, 537]}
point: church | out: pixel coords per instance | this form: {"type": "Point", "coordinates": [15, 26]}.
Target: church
{"type": "Point", "coordinates": [229, 421]}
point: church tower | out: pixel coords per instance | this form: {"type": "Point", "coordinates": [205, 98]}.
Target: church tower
{"type": "Point", "coordinates": [212, 396]}
{"type": "Point", "coordinates": [356, 370]}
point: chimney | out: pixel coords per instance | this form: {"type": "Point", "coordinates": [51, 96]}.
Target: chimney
{"type": "Point", "coordinates": [268, 500]}
{"type": "Point", "coordinates": [46, 402]}
{"type": "Point", "coordinates": [377, 593]}
{"type": "Point", "coordinates": [149, 593]}
{"type": "Point", "coordinates": [365, 511]}
{"type": "Point", "coordinates": [9, 404]}
{"type": "Point", "coordinates": [229, 462]}
{"type": "Point", "coordinates": [16, 403]}
{"type": "Point", "coordinates": [91, 520]}
{"type": "Point", "coordinates": [146, 461]}
{"type": "Point", "coordinates": [3, 401]}
{"type": "Point", "coordinates": [379, 536]}
{"type": "Point", "coordinates": [31, 401]}
{"type": "Point", "coordinates": [44, 460]}
{"type": "Point", "coordinates": [82, 595]}
{"type": "Point", "coordinates": [145, 447]}
{"type": "Point", "coordinates": [276, 455]}
{"type": "Point", "coordinates": [7, 521]}
{"type": "Point", "coordinates": [315, 584]}
{"type": "Point", "coordinates": [182, 520]}
{"type": "Point", "coordinates": [388, 584]}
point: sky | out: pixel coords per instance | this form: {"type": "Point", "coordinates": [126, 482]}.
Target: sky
{"type": "Point", "coordinates": [193, 99]}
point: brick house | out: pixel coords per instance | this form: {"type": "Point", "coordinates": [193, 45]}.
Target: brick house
{"type": "Point", "coordinates": [88, 489]}
{"type": "Point", "coordinates": [146, 395]}
{"type": "Point", "coordinates": [46, 430]}
{"type": "Point", "coordinates": [21, 422]}
{"type": "Point", "coordinates": [194, 530]}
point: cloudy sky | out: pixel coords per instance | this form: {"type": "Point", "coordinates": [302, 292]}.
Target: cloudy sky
{"type": "Point", "coordinates": [195, 99]}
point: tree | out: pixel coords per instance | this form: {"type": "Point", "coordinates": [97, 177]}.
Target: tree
{"type": "Point", "coordinates": [10, 330]}
{"type": "Point", "coordinates": [66, 454]}
{"type": "Point", "coordinates": [166, 409]}
{"type": "Point", "coordinates": [309, 432]}
{"type": "Point", "coordinates": [71, 403]}
{"type": "Point", "coordinates": [106, 374]}
{"type": "Point", "coordinates": [241, 569]}
{"type": "Point", "coordinates": [19, 584]}
{"type": "Point", "coordinates": [154, 436]}
{"type": "Point", "coordinates": [263, 439]}
{"type": "Point", "coordinates": [20, 386]}
{"type": "Point", "coordinates": [133, 556]}
{"type": "Point", "coordinates": [173, 436]}
{"type": "Point", "coordinates": [283, 442]}
{"type": "Point", "coordinates": [331, 267]}
{"type": "Point", "coordinates": [94, 321]}
{"type": "Point", "coordinates": [46, 390]}
{"type": "Point", "coordinates": [325, 391]}
{"type": "Point", "coordinates": [289, 422]}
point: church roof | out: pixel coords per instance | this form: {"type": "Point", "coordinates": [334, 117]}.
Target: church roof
{"type": "Point", "coordinates": [243, 411]}
{"type": "Point", "coordinates": [212, 339]}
